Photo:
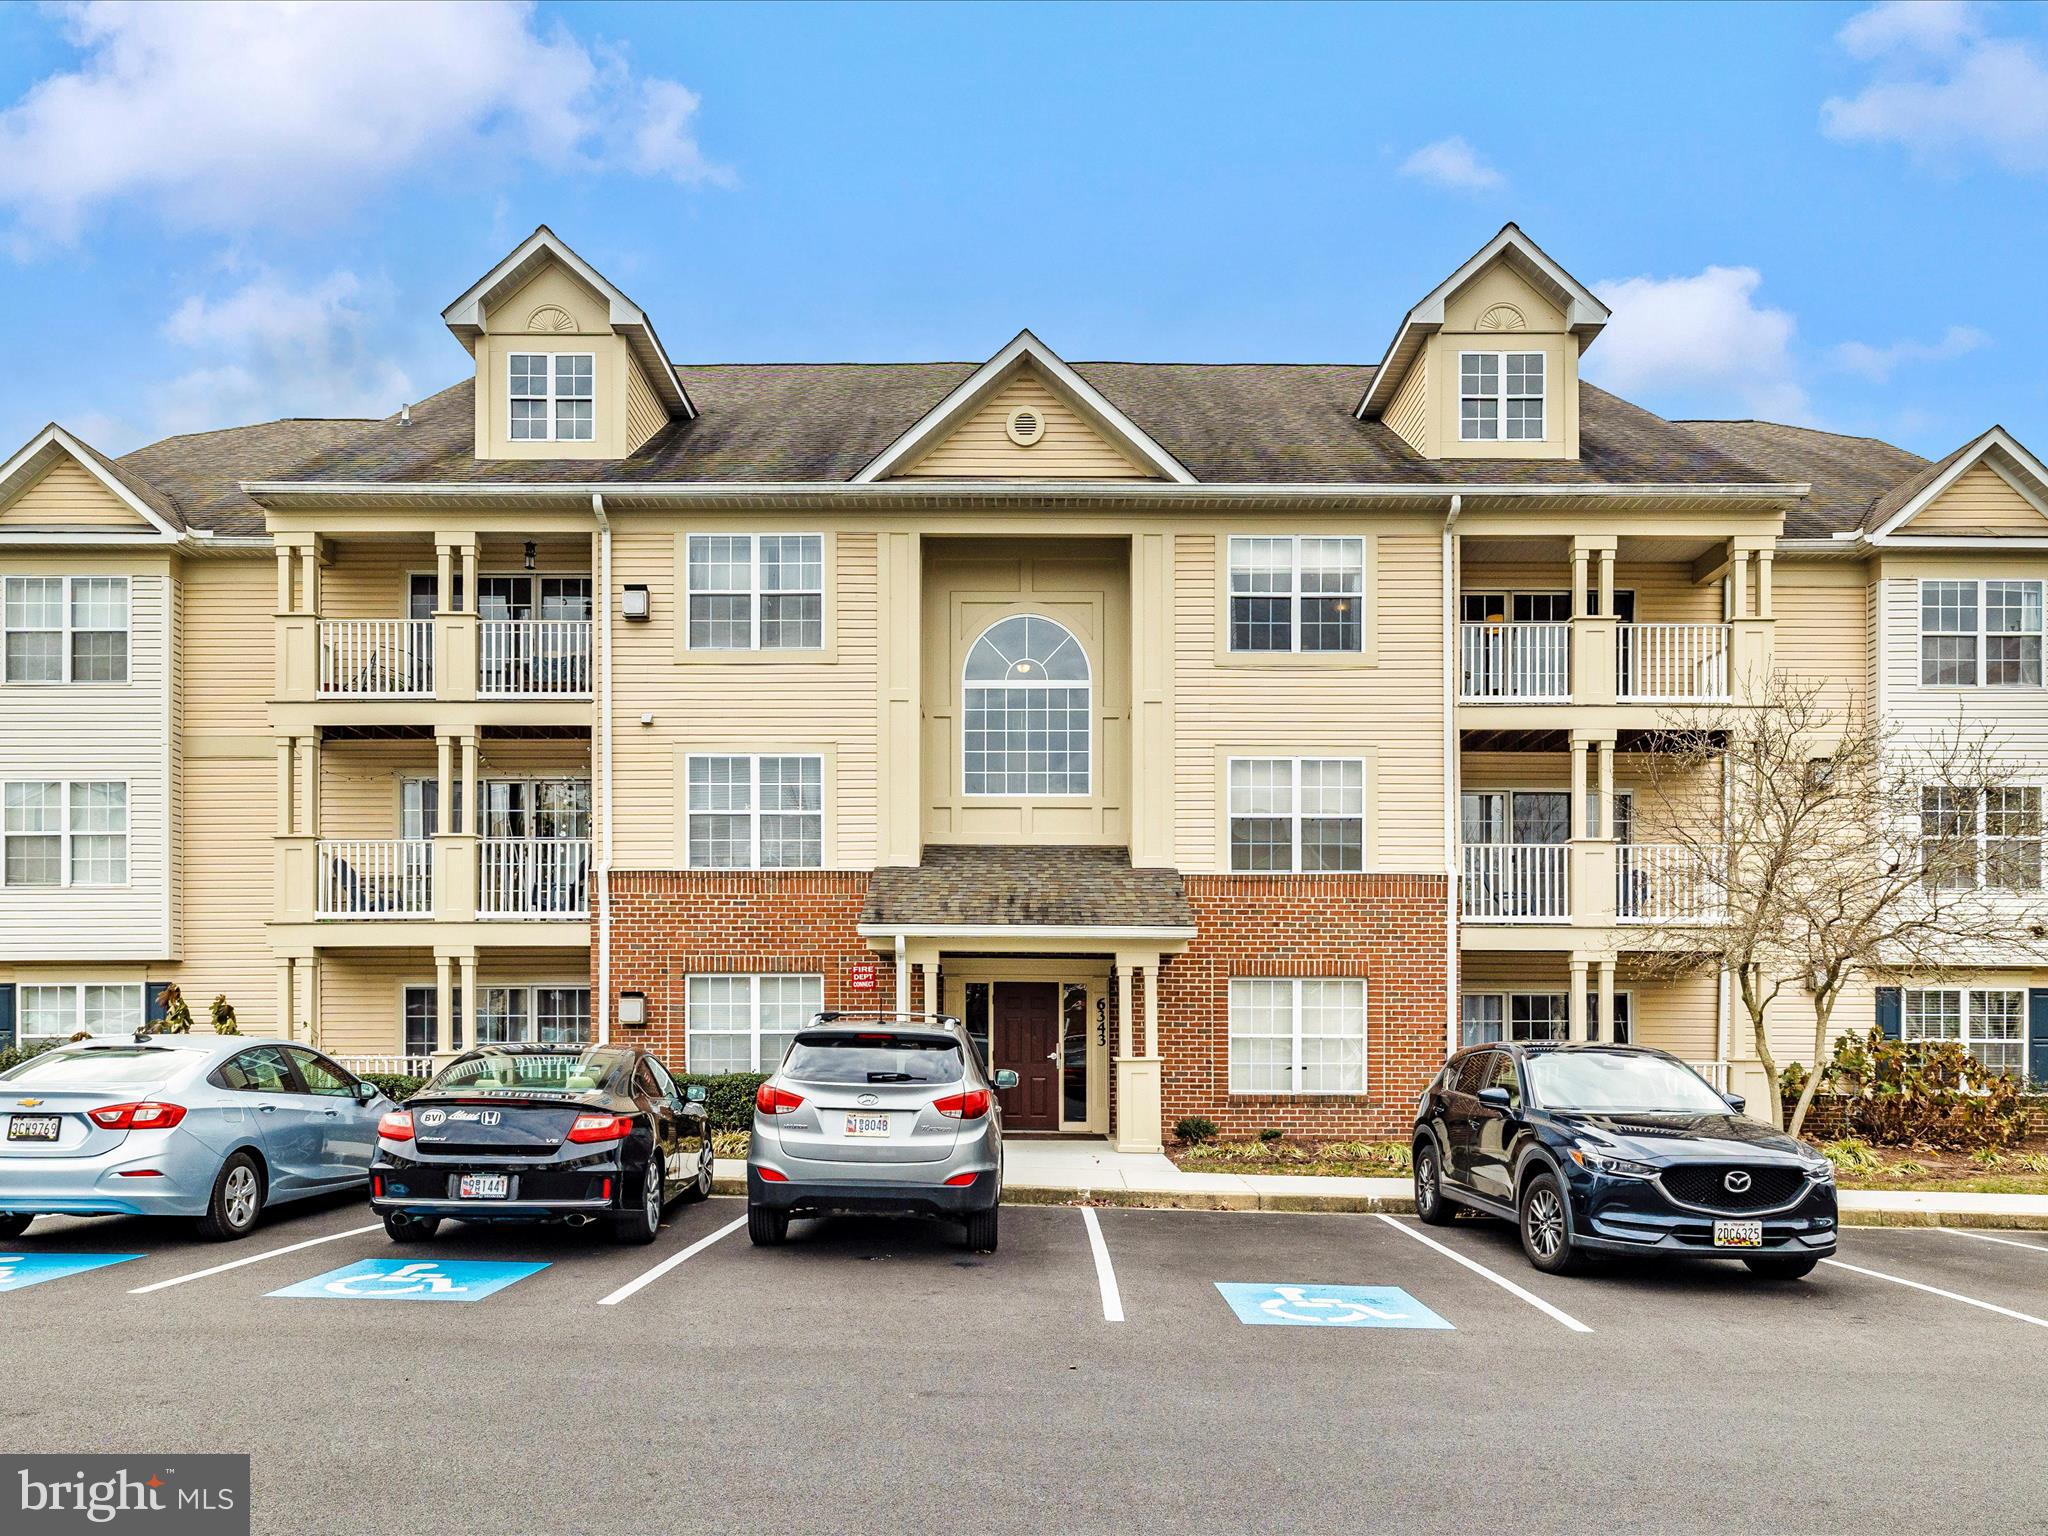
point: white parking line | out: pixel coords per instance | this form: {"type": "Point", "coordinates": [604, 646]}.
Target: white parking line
{"type": "Point", "coordinates": [1557, 1313]}
{"type": "Point", "coordinates": [256, 1258]}
{"type": "Point", "coordinates": [669, 1263]}
{"type": "Point", "coordinates": [1105, 1276]}
{"type": "Point", "coordinates": [1935, 1290]}
{"type": "Point", "coordinates": [1985, 1237]}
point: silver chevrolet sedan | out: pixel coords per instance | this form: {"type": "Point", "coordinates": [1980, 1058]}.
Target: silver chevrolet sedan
{"type": "Point", "coordinates": [212, 1126]}
{"type": "Point", "coordinates": [890, 1113]}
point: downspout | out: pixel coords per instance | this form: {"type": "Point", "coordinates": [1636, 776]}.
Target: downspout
{"type": "Point", "coordinates": [902, 976]}
{"type": "Point", "coordinates": [604, 768]}
{"type": "Point", "coordinates": [1451, 1005]}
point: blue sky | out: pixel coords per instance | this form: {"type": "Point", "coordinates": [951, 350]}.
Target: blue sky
{"type": "Point", "coordinates": [1828, 214]}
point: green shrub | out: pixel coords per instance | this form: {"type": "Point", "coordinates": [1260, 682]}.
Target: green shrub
{"type": "Point", "coordinates": [396, 1086]}
{"type": "Point", "coordinates": [728, 1097]}
{"type": "Point", "coordinates": [1396, 1154]}
{"type": "Point", "coordinates": [15, 1055]}
{"type": "Point", "coordinates": [1195, 1129]}
{"type": "Point", "coordinates": [1923, 1092]}
{"type": "Point", "coordinates": [1271, 1134]}
{"type": "Point", "coordinates": [1850, 1155]}
{"type": "Point", "coordinates": [2031, 1162]}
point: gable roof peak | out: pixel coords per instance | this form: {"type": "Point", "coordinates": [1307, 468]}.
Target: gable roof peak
{"type": "Point", "coordinates": [40, 453]}
{"type": "Point", "coordinates": [1896, 509]}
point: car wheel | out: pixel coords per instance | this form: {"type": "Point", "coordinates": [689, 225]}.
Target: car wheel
{"type": "Point", "coordinates": [237, 1200]}
{"type": "Point", "coordinates": [1430, 1204]}
{"type": "Point", "coordinates": [766, 1228]}
{"type": "Point", "coordinates": [644, 1224]}
{"type": "Point", "coordinates": [1546, 1226]}
{"type": "Point", "coordinates": [14, 1226]}
{"type": "Point", "coordinates": [1771, 1267]}
{"type": "Point", "coordinates": [981, 1229]}
{"type": "Point", "coordinates": [410, 1229]}
{"type": "Point", "coordinates": [700, 1186]}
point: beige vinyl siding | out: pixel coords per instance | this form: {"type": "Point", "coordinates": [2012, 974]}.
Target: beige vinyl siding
{"type": "Point", "coordinates": [752, 702]}
{"type": "Point", "coordinates": [1980, 499]}
{"type": "Point", "coordinates": [229, 633]}
{"type": "Point", "coordinates": [362, 993]}
{"type": "Point", "coordinates": [1634, 774]}
{"type": "Point", "coordinates": [70, 496]}
{"type": "Point", "coordinates": [1821, 634]}
{"type": "Point", "coordinates": [230, 809]}
{"type": "Point", "coordinates": [980, 446]}
{"type": "Point", "coordinates": [1390, 713]}
{"type": "Point", "coordinates": [360, 781]}
{"type": "Point", "coordinates": [1665, 593]}
{"type": "Point", "coordinates": [1675, 1015]}
{"type": "Point", "coordinates": [644, 413]}
{"type": "Point", "coordinates": [1407, 414]}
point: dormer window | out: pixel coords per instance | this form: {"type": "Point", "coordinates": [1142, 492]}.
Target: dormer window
{"type": "Point", "coordinates": [553, 397]}
{"type": "Point", "coordinates": [1500, 395]}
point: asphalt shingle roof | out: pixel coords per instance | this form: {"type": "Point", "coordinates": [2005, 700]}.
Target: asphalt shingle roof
{"type": "Point", "coordinates": [1073, 887]}
{"type": "Point", "coordinates": [196, 479]}
{"type": "Point", "coordinates": [1850, 476]}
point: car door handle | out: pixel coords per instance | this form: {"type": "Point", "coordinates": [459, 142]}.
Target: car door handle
{"type": "Point", "coordinates": [333, 1114]}
{"type": "Point", "coordinates": [268, 1109]}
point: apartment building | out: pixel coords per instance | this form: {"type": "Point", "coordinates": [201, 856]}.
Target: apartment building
{"type": "Point", "coordinates": [1218, 739]}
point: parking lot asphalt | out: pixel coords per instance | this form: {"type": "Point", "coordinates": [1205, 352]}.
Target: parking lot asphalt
{"type": "Point", "coordinates": [873, 1375]}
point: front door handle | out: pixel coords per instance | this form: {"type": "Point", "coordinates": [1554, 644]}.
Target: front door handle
{"type": "Point", "coordinates": [1055, 1056]}
{"type": "Point", "coordinates": [333, 1114]}
{"type": "Point", "coordinates": [268, 1109]}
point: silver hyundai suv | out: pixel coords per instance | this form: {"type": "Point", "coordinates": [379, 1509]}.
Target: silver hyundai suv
{"type": "Point", "coordinates": [886, 1112]}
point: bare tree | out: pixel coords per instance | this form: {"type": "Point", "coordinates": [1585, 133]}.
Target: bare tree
{"type": "Point", "coordinates": [1826, 844]}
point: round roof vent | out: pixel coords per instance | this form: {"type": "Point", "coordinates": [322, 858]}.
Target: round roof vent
{"type": "Point", "coordinates": [1025, 426]}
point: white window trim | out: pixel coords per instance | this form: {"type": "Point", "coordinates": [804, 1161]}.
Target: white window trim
{"type": "Point", "coordinates": [754, 592]}
{"type": "Point", "coordinates": [1293, 593]}
{"type": "Point", "coordinates": [65, 834]}
{"type": "Point", "coordinates": [1981, 637]}
{"type": "Point", "coordinates": [65, 631]}
{"type": "Point", "coordinates": [754, 812]}
{"type": "Point", "coordinates": [1295, 814]}
{"type": "Point", "coordinates": [753, 979]}
{"type": "Point", "coordinates": [1500, 398]}
{"type": "Point", "coordinates": [1967, 1014]}
{"type": "Point", "coordinates": [1624, 998]}
{"type": "Point", "coordinates": [1042, 684]}
{"type": "Point", "coordinates": [1294, 1068]}
{"type": "Point", "coordinates": [1980, 812]}
{"type": "Point", "coordinates": [77, 991]}
{"type": "Point", "coordinates": [531, 989]}
{"type": "Point", "coordinates": [550, 398]}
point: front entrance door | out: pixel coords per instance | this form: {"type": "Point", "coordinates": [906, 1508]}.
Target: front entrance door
{"type": "Point", "coordinates": [1027, 1037]}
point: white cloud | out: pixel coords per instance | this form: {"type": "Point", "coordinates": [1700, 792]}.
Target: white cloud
{"type": "Point", "coordinates": [223, 114]}
{"type": "Point", "coordinates": [1452, 163]}
{"type": "Point", "coordinates": [1877, 364]}
{"type": "Point", "coordinates": [1699, 342]}
{"type": "Point", "coordinates": [1945, 89]}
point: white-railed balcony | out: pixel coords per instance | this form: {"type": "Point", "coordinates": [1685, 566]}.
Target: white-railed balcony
{"type": "Point", "coordinates": [533, 658]}
{"type": "Point", "coordinates": [377, 658]}
{"type": "Point", "coordinates": [1516, 883]}
{"type": "Point", "coordinates": [533, 879]}
{"type": "Point", "coordinates": [1515, 663]}
{"type": "Point", "coordinates": [1663, 883]}
{"type": "Point", "coordinates": [1534, 663]}
{"type": "Point", "coordinates": [374, 878]}
{"type": "Point", "coordinates": [1672, 663]}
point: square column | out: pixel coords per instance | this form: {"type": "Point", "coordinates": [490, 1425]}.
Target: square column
{"type": "Point", "coordinates": [466, 1037]}
{"type": "Point", "coordinates": [1603, 1027]}
{"type": "Point", "coordinates": [1137, 1077]}
{"type": "Point", "coordinates": [1575, 1004]}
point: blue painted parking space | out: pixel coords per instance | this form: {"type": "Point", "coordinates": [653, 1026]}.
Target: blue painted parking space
{"type": "Point", "coordinates": [20, 1270]}
{"type": "Point", "coordinates": [1328, 1306]}
{"type": "Point", "coordinates": [412, 1280]}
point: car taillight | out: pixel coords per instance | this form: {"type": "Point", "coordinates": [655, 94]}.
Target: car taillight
{"type": "Point", "coordinates": [601, 1128]}
{"type": "Point", "coordinates": [771, 1100]}
{"type": "Point", "coordinates": [971, 1105]}
{"type": "Point", "coordinates": [144, 1115]}
{"type": "Point", "coordinates": [396, 1126]}
{"type": "Point", "coordinates": [961, 1180]}
{"type": "Point", "coordinates": [770, 1176]}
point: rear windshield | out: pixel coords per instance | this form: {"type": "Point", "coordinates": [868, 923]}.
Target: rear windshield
{"type": "Point", "coordinates": [871, 1058]}
{"type": "Point", "coordinates": [106, 1067]}
{"type": "Point", "coordinates": [519, 1072]}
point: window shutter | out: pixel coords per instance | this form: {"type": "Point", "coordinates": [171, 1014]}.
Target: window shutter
{"type": "Point", "coordinates": [1889, 1008]}
{"type": "Point", "coordinates": [6, 1015]}
{"type": "Point", "coordinates": [153, 1011]}
{"type": "Point", "coordinates": [2037, 1036]}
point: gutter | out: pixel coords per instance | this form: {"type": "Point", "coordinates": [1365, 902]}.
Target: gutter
{"type": "Point", "coordinates": [604, 768]}
{"type": "Point", "coordinates": [904, 931]}
{"type": "Point", "coordinates": [1451, 811]}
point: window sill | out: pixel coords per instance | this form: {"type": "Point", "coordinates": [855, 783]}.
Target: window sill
{"type": "Point", "coordinates": [824, 655]}
{"type": "Point", "coordinates": [1307, 660]}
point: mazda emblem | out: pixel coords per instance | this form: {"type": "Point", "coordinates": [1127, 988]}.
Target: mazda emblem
{"type": "Point", "coordinates": [1737, 1181]}
{"type": "Point", "coordinates": [868, 1100]}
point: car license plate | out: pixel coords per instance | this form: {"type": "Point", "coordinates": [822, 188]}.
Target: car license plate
{"type": "Point", "coordinates": [484, 1186]}
{"type": "Point", "coordinates": [1738, 1234]}
{"type": "Point", "coordinates": [32, 1127]}
{"type": "Point", "coordinates": [867, 1125]}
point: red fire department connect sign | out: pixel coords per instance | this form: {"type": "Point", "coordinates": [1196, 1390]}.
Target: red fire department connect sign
{"type": "Point", "coordinates": [863, 976]}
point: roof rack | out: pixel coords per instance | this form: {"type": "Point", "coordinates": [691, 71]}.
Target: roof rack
{"type": "Point", "coordinates": [880, 1016]}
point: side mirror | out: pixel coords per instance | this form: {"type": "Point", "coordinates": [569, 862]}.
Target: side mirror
{"type": "Point", "coordinates": [1496, 1098]}
{"type": "Point", "coordinates": [694, 1093]}
{"type": "Point", "coordinates": [1736, 1102]}
{"type": "Point", "coordinates": [1006, 1078]}
{"type": "Point", "coordinates": [366, 1093]}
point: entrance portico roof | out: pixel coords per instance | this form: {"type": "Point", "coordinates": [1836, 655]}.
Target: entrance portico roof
{"type": "Point", "coordinates": [991, 891]}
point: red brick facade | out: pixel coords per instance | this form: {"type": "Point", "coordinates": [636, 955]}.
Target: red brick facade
{"type": "Point", "coordinates": [1388, 929]}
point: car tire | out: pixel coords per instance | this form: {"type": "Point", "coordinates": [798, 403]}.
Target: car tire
{"type": "Point", "coordinates": [236, 1204]}
{"type": "Point", "coordinates": [700, 1187]}
{"type": "Point", "coordinates": [1431, 1208]}
{"type": "Point", "coordinates": [1772, 1266]}
{"type": "Point", "coordinates": [410, 1229]}
{"type": "Point", "coordinates": [643, 1224]}
{"type": "Point", "coordinates": [981, 1229]}
{"type": "Point", "coordinates": [1544, 1217]}
{"type": "Point", "coordinates": [13, 1226]}
{"type": "Point", "coordinates": [766, 1228]}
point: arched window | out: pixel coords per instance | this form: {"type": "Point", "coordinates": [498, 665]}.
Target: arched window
{"type": "Point", "coordinates": [1028, 709]}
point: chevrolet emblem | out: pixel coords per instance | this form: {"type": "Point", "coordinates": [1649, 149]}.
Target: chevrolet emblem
{"type": "Point", "coordinates": [28, 1103]}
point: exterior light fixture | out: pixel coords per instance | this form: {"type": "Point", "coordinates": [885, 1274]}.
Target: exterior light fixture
{"type": "Point", "coordinates": [633, 606]}
{"type": "Point", "coordinates": [529, 554]}
{"type": "Point", "coordinates": [633, 1010]}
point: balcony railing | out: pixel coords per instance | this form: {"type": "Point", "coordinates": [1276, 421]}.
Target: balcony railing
{"type": "Point", "coordinates": [1671, 663]}
{"type": "Point", "coordinates": [1715, 1072]}
{"type": "Point", "coordinates": [1663, 883]}
{"type": "Point", "coordinates": [1515, 663]}
{"type": "Point", "coordinates": [390, 1066]}
{"type": "Point", "coordinates": [377, 658]}
{"type": "Point", "coordinates": [533, 658]}
{"type": "Point", "coordinates": [534, 878]}
{"type": "Point", "coordinates": [1516, 882]}
{"type": "Point", "coordinates": [375, 878]}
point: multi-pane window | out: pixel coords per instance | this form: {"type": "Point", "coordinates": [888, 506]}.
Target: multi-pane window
{"type": "Point", "coordinates": [56, 832]}
{"type": "Point", "coordinates": [1500, 395]}
{"type": "Point", "coordinates": [1029, 711]}
{"type": "Point", "coordinates": [1989, 1023]}
{"type": "Point", "coordinates": [1494, 1016]}
{"type": "Point", "coordinates": [756, 812]}
{"type": "Point", "coordinates": [58, 1012]}
{"type": "Point", "coordinates": [1297, 594]}
{"type": "Point", "coordinates": [553, 397]}
{"type": "Point", "coordinates": [526, 1015]}
{"type": "Point", "coordinates": [1980, 632]}
{"type": "Point", "coordinates": [745, 1023]}
{"type": "Point", "coordinates": [1297, 813]}
{"type": "Point", "coordinates": [1989, 837]}
{"type": "Point", "coordinates": [1297, 1035]}
{"type": "Point", "coordinates": [65, 629]}
{"type": "Point", "coordinates": [752, 592]}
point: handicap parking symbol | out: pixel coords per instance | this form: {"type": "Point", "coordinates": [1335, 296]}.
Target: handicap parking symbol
{"type": "Point", "coordinates": [412, 1280]}
{"type": "Point", "coordinates": [20, 1270]}
{"type": "Point", "coordinates": [1328, 1306]}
